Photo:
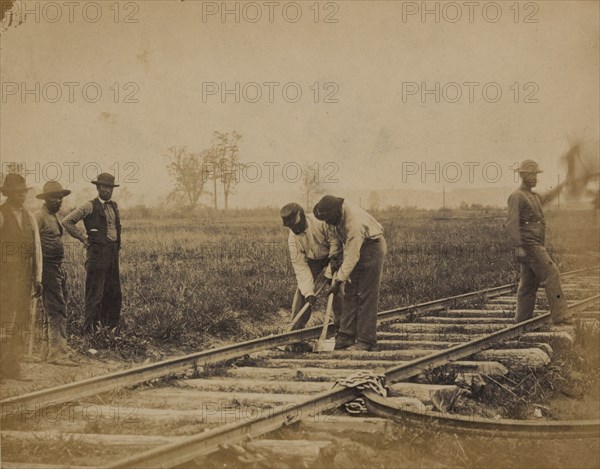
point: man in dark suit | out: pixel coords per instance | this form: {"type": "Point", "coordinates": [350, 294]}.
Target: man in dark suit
{"type": "Point", "coordinates": [102, 240]}
{"type": "Point", "coordinates": [20, 274]}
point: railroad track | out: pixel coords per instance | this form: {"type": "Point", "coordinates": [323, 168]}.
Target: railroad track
{"type": "Point", "coordinates": [250, 389]}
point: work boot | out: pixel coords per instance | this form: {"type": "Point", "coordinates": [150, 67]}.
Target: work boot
{"type": "Point", "coordinates": [343, 342]}
{"type": "Point", "coordinates": [360, 346]}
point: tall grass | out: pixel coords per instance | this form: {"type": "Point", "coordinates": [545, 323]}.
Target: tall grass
{"type": "Point", "coordinates": [190, 280]}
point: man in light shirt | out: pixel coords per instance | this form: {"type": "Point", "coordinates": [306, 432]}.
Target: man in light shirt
{"type": "Point", "coordinates": [54, 276]}
{"type": "Point", "coordinates": [20, 274]}
{"type": "Point", "coordinates": [314, 246]}
{"type": "Point", "coordinates": [364, 251]}
{"type": "Point", "coordinates": [102, 241]}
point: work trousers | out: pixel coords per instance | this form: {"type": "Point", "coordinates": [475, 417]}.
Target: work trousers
{"type": "Point", "coordinates": [54, 324]}
{"type": "Point", "coordinates": [359, 315]}
{"type": "Point", "coordinates": [316, 267]}
{"type": "Point", "coordinates": [16, 284]}
{"type": "Point", "coordinates": [537, 268]}
{"type": "Point", "coordinates": [102, 287]}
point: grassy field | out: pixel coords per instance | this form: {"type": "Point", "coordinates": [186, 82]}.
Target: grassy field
{"type": "Point", "coordinates": [189, 282]}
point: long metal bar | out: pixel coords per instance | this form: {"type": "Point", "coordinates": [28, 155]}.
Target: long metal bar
{"type": "Point", "coordinates": [207, 442]}
{"type": "Point", "coordinates": [506, 428]}
{"type": "Point", "coordinates": [108, 382]}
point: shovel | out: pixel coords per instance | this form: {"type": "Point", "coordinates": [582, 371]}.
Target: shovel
{"type": "Point", "coordinates": [322, 344]}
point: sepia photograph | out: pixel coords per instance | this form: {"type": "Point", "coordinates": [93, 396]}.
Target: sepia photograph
{"type": "Point", "coordinates": [311, 234]}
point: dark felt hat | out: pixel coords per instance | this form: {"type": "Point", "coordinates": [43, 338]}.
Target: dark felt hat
{"type": "Point", "coordinates": [529, 166]}
{"type": "Point", "coordinates": [53, 189]}
{"type": "Point", "coordinates": [289, 212]}
{"type": "Point", "coordinates": [327, 206]}
{"type": "Point", "coordinates": [14, 182]}
{"type": "Point", "coordinates": [105, 179]}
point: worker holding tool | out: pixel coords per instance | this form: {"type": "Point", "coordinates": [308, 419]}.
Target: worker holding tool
{"type": "Point", "coordinates": [313, 246]}
{"type": "Point", "coordinates": [527, 229]}
{"type": "Point", "coordinates": [54, 276]}
{"type": "Point", "coordinates": [364, 251]}
{"type": "Point", "coordinates": [20, 274]}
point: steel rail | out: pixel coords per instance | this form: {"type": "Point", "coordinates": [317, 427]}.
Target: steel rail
{"type": "Point", "coordinates": [99, 384]}
{"type": "Point", "coordinates": [173, 454]}
{"type": "Point", "coordinates": [506, 428]}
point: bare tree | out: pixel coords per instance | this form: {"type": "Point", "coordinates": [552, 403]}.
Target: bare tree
{"type": "Point", "coordinates": [224, 155]}
{"type": "Point", "coordinates": [212, 171]}
{"type": "Point", "coordinates": [187, 171]}
{"type": "Point", "coordinates": [374, 200]}
{"type": "Point", "coordinates": [312, 186]}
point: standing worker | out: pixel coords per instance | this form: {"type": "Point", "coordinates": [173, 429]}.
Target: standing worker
{"type": "Point", "coordinates": [527, 229]}
{"type": "Point", "coordinates": [20, 274]}
{"type": "Point", "coordinates": [103, 241]}
{"type": "Point", "coordinates": [364, 251]}
{"type": "Point", "coordinates": [54, 277]}
{"type": "Point", "coordinates": [313, 247]}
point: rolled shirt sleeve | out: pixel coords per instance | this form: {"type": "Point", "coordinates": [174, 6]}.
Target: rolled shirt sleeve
{"type": "Point", "coordinates": [354, 242]}
{"type": "Point", "coordinates": [355, 226]}
{"type": "Point", "coordinates": [304, 276]}
{"type": "Point", "coordinates": [71, 220]}
{"type": "Point", "coordinates": [335, 247]}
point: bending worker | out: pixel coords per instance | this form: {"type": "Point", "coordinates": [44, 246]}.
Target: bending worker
{"type": "Point", "coordinates": [313, 246]}
{"type": "Point", "coordinates": [364, 251]}
{"type": "Point", "coordinates": [527, 228]}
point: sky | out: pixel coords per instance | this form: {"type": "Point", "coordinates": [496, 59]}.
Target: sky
{"type": "Point", "coordinates": [162, 68]}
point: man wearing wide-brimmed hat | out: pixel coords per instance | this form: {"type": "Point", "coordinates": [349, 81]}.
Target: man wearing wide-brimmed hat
{"type": "Point", "coordinates": [314, 246]}
{"type": "Point", "coordinates": [364, 251]}
{"type": "Point", "coordinates": [527, 228]}
{"type": "Point", "coordinates": [103, 240]}
{"type": "Point", "coordinates": [20, 273]}
{"type": "Point", "coordinates": [54, 276]}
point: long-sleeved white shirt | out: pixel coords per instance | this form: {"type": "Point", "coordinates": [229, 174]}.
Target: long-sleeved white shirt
{"type": "Point", "coordinates": [319, 241]}
{"type": "Point", "coordinates": [354, 227]}
{"type": "Point", "coordinates": [37, 263]}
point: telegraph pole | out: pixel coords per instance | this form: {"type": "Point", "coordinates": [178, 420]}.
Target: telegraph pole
{"type": "Point", "coordinates": [558, 184]}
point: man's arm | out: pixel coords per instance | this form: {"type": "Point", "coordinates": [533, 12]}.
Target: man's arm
{"type": "Point", "coordinates": [549, 196]}
{"type": "Point", "coordinates": [37, 253]}
{"type": "Point", "coordinates": [335, 250]}
{"type": "Point", "coordinates": [304, 277]}
{"type": "Point", "coordinates": [354, 242]}
{"type": "Point", "coordinates": [71, 220]}
{"type": "Point", "coordinates": [513, 225]}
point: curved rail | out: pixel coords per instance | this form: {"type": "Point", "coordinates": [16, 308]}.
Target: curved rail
{"type": "Point", "coordinates": [506, 428]}
{"type": "Point", "coordinates": [173, 454]}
